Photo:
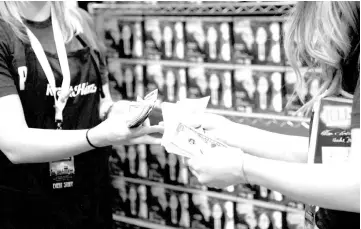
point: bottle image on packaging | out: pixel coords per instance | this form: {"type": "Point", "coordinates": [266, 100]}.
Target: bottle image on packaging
{"type": "Point", "coordinates": [217, 216]}
{"type": "Point", "coordinates": [182, 89]}
{"type": "Point", "coordinates": [245, 89]}
{"type": "Point", "coordinates": [225, 42]}
{"type": "Point", "coordinates": [137, 40]}
{"type": "Point", "coordinates": [168, 39]}
{"type": "Point", "coordinates": [263, 192]}
{"type": "Point", "coordinates": [261, 38]}
{"type": "Point", "coordinates": [126, 36]}
{"type": "Point", "coordinates": [129, 82]}
{"type": "Point", "coordinates": [277, 220]}
{"type": "Point", "coordinates": [276, 196]}
{"type": "Point", "coordinates": [172, 163]}
{"type": "Point", "coordinates": [275, 53]}
{"type": "Point", "coordinates": [212, 43]}
{"type": "Point", "coordinates": [277, 103]}
{"type": "Point", "coordinates": [173, 205]}
{"type": "Point", "coordinates": [179, 40]}
{"type": "Point", "coordinates": [227, 90]}
{"type": "Point", "coordinates": [153, 39]}
{"type": "Point", "coordinates": [133, 200]}
{"type": "Point", "coordinates": [183, 172]}
{"type": "Point", "coordinates": [170, 82]}
{"type": "Point", "coordinates": [262, 89]}
{"type": "Point", "coordinates": [132, 155]}
{"type": "Point", "coordinates": [139, 89]}
{"type": "Point", "coordinates": [214, 84]}
{"type": "Point", "coordinates": [229, 215]}
{"type": "Point", "coordinates": [184, 220]}
{"type": "Point", "coordinates": [243, 42]}
{"type": "Point", "coordinates": [142, 166]}
{"type": "Point", "coordinates": [143, 206]}
{"type": "Point", "coordinates": [264, 221]}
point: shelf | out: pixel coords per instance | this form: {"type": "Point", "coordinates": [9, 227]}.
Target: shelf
{"type": "Point", "coordinates": [140, 223]}
{"type": "Point", "coordinates": [223, 66]}
{"type": "Point", "coordinates": [258, 203]}
{"type": "Point", "coordinates": [191, 9]}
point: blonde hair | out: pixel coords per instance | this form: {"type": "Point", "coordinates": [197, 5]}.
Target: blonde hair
{"type": "Point", "coordinates": [70, 20]}
{"type": "Point", "coordinates": [320, 34]}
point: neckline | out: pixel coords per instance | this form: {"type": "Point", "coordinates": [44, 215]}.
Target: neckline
{"type": "Point", "coordinates": [38, 24]}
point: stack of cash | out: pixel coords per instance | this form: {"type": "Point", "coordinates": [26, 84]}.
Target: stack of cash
{"type": "Point", "coordinates": [140, 110]}
{"type": "Point", "coordinates": [178, 137]}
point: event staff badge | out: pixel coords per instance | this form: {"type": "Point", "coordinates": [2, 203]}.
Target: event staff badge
{"type": "Point", "coordinates": [62, 172]}
{"type": "Point", "coordinates": [330, 140]}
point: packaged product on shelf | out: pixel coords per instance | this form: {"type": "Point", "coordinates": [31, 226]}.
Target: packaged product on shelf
{"type": "Point", "coordinates": [222, 215]}
{"type": "Point", "coordinates": [201, 211]}
{"type": "Point", "coordinates": [117, 160]}
{"type": "Point", "coordinates": [245, 216]}
{"type": "Point", "coordinates": [132, 162]}
{"type": "Point", "coordinates": [262, 41]}
{"type": "Point", "coordinates": [139, 80]}
{"type": "Point", "coordinates": [128, 74]}
{"type": "Point", "coordinates": [277, 219]}
{"type": "Point", "coordinates": [185, 219]}
{"type": "Point", "coordinates": [168, 34]}
{"type": "Point", "coordinates": [227, 89]}
{"type": "Point", "coordinates": [244, 42]}
{"type": "Point", "coordinates": [133, 200]}
{"type": "Point", "coordinates": [277, 100]}
{"type": "Point", "coordinates": [116, 74]}
{"type": "Point", "coordinates": [245, 191]}
{"type": "Point", "coordinates": [120, 197]}
{"type": "Point", "coordinates": [112, 36]}
{"type": "Point", "coordinates": [244, 90]}
{"type": "Point", "coordinates": [143, 209]}
{"type": "Point", "coordinates": [295, 220]}
{"type": "Point", "coordinates": [181, 84]}
{"type": "Point", "coordinates": [142, 161]}
{"type": "Point", "coordinates": [197, 83]}
{"type": "Point", "coordinates": [276, 196]}
{"type": "Point", "coordinates": [158, 205]}
{"type": "Point", "coordinates": [155, 80]}
{"type": "Point", "coordinates": [214, 87]}
{"type": "Point", "coordinates": [195, 37]}
{"type": "Point", "coordinates": [156, 163]}
{"type": "Point", "coordinates": [153, 39]}
{"type": "Point", "coordinates": [264, 218]}
{"type": "Point", "coordinates": [175, 208]}
{"type": "Point", "coordinates": [170, 89]}
{"type": "Point", "coordinates": [179, 49]}
{"type": "Point", "coordinates": [263, 91]}
{"type": "Point", "coordinates": [137, 40]}
{"type": "Point", "coordinates": [126, 41]}
{"type": "Point", "coordinates": [275, 56]}
{"type": "Point", "coordinates": [183, 175]}
{"type": "Point", "coordinates": [262, 193]}
{"type": "Point", "coordinates": [172, 169]}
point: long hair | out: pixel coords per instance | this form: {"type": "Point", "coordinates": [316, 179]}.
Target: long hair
{"type": "Point", "coordinates": [320, 34]}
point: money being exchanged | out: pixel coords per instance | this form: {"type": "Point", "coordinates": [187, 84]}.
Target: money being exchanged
{"type": "Point", "coordinates": [140, 110]}
{"type": "Point", "coordinates": [183, 140]}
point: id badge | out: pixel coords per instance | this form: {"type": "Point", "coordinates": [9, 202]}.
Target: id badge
{"type": "Point", "coordinates": [62, 173]}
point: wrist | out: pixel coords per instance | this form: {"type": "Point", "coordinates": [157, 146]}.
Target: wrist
{"type": "Point", "coordinates": [247, 165]}
{"type": "Point", "coordinates": [95, 138]}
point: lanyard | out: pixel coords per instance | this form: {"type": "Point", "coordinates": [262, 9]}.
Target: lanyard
{"type": "Point", "coordinates": [60, 102]}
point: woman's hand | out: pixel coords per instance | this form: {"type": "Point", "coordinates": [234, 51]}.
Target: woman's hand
{"type": "Point", "coordinates": [219, 167]}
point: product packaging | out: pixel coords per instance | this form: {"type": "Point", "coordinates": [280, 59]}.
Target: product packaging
{"type": "Point", "coordinates": [227, 89]}
{"type": "Point", "coordinates": [263, 91]}
{"type": "Point", "coordinates": [184, 206]}
{"type": "Point", "coordinates": [264, 218]}
{"type": "Point", "coordinates": [126, 28]}
{"type": "Point", "coordinates": [157, 161]}
{"type": "Point", "coordinates": [153, 39]}
{"type": "Point", "coordinates": [262, 41]}
{"type": "Point", "coordinates": [201, 211]}
{"type": "Point", "coordinates": [137, 46]}
{"type": "Point", "coordinates": [142, 161]}
{"type": "Point", "coordinates": [143, 208]}
{"type": "Point", "coordinates": [120, 197]}
{"type": "Point", "coordinates": [133, 200]}
{"type": "Point", "coordinates": [195, 37]}
{"type": "Point", "coordinates": [295, 220]}
{"type": "Point", "coordinates": [117, 160]}
{"type": "Point", "coordinates": [112, 37]}
{"type": "Point", "coordinates": [245, 216]}
{"type": "Point", "coordinates": [277, 99]}
{"type": "Point", "coordinates": [158, 205]}
{"type": "Point", "coordinates": [275, 56]}
{"type": "Point", "coordinates": [245, 191]}
{"type": "Point", "coordinates": [244, 91]}
{"type": "Point", "coordinates": [262, 193]}
{"type": "Point", "coordinates": [179, 41]}
{"type": "Point", "coordinates": [172, 169]}
{"type": "Point", "coordinates": [132, 162]}
{"type": "Point", "coordinates": [116, 74]}
{"type": "Point", "coordinates": [183, 175]}
{"type": "Point", "coordinates": [128, 75]}
{"type": "Point", "coordinates": [139, 81]}
{"type": "Point", "coordinates": [170, 88]}
{"type": "Point", "coordinates": [181, 84]}
{"type": "Point", "coordinates": [198, 85]}
{"type": "Point", "coordinates": [155, 80]}
{"type": "Point", "coordinates": [178, 205]}
{"type": "Point", "coordinates": [244, 42]}
{"type": "Point", "coordinates": [214, 87]}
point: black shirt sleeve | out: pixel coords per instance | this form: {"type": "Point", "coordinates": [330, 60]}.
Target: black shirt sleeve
{"type": "Point", "coordinates": [355, 115]}
{"type": "Point", "coordinates": [7, 85]}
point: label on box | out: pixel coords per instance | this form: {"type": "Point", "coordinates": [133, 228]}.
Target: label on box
{"type": "Point", "coordinates": [153, 39]}
{"type": "Point", "coordinates": [195, 37]}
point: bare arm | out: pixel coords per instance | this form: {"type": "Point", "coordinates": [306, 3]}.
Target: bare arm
{"type": "Point", "coordinates": [334, 186]}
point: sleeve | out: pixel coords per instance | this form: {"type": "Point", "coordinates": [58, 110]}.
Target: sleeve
{"type": "Point", "coordinates": [355, 115]}
{"type": "Point", "coordinates": [7, 85]}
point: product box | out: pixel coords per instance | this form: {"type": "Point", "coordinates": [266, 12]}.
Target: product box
{"type": "Point", "coordinates": [178, 209]}
{"type": "Point", "coordinates": [120, 197]}
{"type": "Point", "coordinates": [214, 87]}
{"type": "Point", "coordinates": [137, 46]}
{"type": "Point", "coordinates": [195, 40]}
{"type": "Point", "coordinates": [277, 102]}
{"type": "Point", "coordinates": [179, 41]}
{"type": "Point", "coordinates": [131, 162]}
{"type": "Point", "coordinates": [158, 205]}
{"type": "Point", "coordinates": [133, 201]}
{"type": "Point", "coordinates": [116, 74]}
{"type": "Point", "coordinates": [264, 218]}
{"type": "Point", "coordinates": [295, 220]}
{"type": "Point", "coordinates": [170, 88]}
{"type": "Point", "coordinates": [168, 35]}
{"type": "Point", "coordinates": [112, 37]}
{"type": "Point", "coordinates": [201, 211]}
{"type": "Point", "coordinates": [143, 206]}
{"type": "Point", "coordinates": [142, 161]}
{"type": "Point", "coordinates": [185, 214]}
{"type": "Point", "coordinates": [227, 89]}
{"type": "Point", "coordinates": [197, 83]}
{"type": "Point", "coordinates": [183, 174]}
{"type": "Point", "coordinates": [263, 91]}
{"type": "Point", "coordinates": [262, 193]}
{"type": "Point", "coordinates": [157, 161]}
{"type": "Point", "coordinates": [244, 42]}
{"type": "Point", "coordinates": [126, 28]}
{"type": "Point", "coordinates": [262, 39]}
{"type": "Point", "coordinates": [128, 82]}
{"type": "Point", "coordinates": [139, 80]}
{"type": "Point", "coordinates": [153, 39]}
{"type": "Point", "coordinates": [275, 54]}
{"type": "Point", "coordinates": [155, 80]}
{"type": "Point", "coordinates": [181, 84]}
{"type": "Point", "coordinates": [245, 216]}
{"type": "Point", "coordinates": [244, 91]}
{"type": "Point", "coordinates": [117, 160]}
{"type": "Point", "coordinates": [172, 169]}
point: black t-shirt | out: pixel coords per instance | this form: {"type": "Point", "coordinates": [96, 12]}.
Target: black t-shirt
{"type": "Point", "coordinates": [26, 196]}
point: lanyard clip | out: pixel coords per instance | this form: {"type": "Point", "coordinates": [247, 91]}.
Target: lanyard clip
{"type": "Point", "coordinates": [60, 105]}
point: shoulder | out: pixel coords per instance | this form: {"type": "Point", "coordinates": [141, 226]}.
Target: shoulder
{"type": "Point", "coordinates": [7, 37]}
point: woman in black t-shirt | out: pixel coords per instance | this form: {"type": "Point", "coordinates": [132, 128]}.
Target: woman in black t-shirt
{"type": "Point", "coordinates": [322, 34]}
{"type": "Point", "coordinates": [54, 162]}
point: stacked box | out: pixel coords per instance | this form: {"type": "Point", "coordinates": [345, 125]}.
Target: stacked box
{"type": "Point", "coordinates": [195, 37]}
{"type": "Point", "coordinates": [197, 83]}
{"type": "Point", "coordinates": [153, 39]}
{"type": "Point", "coordinates": [157, 161]}
{"type": "Point", "coordinates": [244, 91]}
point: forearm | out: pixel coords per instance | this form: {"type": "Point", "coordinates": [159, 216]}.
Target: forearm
{"type": "Point", "coordinates": [270, 145]}
{"type": "Point", "coordinates": [30, 145]}
{"type": "Point", "coordinates": [334, 186]}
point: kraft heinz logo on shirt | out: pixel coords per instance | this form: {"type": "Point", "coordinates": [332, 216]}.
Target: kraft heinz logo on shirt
{"type": "Point", "coordinates": [336, 116]}
{"type": "Point", "coordinates": [81, 89]}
